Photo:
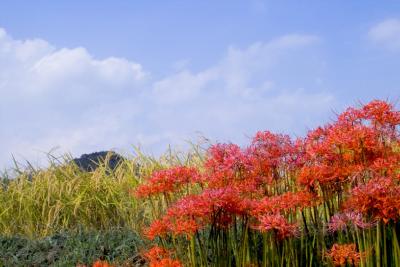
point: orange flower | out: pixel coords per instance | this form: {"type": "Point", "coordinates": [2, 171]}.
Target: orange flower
{"type": "Point", "coordinates": [344, 254]}
{"type": "Point", "coordinates": [160, 257]}
{"type": "Point", "coordinates": [169, 180]}
{"type": "Point", "coordinates": [100, 263]}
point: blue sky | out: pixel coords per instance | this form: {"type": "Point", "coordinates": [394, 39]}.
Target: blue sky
{"type": "Point", "coordinates": [82, 76]}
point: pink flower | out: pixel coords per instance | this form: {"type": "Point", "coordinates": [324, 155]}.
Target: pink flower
{"type": "Point", "coordinates": [341, 221]}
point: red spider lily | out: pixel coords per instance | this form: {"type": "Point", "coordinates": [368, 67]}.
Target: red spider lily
{"type": "Point", "coordinates": [382, 114]}
{"type": "Point", "coordinates": [226, 163]}
{"type": "Point", "coordinates": [285, 202]}
{"type": "Point", "coordinates": [341, 221]}
{"type": "Point", "coordinates": [100, 263]}
{"type": "Point", "coordinates": [379, 114]}
{"type": "Point", "coordinates": [192, 205]}
{"type": "Point", "coordinates": [360, 140]}
{"type": "Point", "coordinates": [157, 228]}
{"type": "Point", "coordinates": [186, 216]}
{"type": "Point", "coordinates": [250, 169]}
{"type": "Point", "coordinates": [344, 254]}
{"type": "Point", "coordinates": [277, 224]}
{"type": "Point", "coordinates": [335, 160]}
{"type": "Point", "coordinates": [378, 199]}
{"type": "Point", "coordinates": [271, 153]}
{"type": "Point", "coordinates": [191, 213]}
{"type": "Point", "coordinates": [210, 200]}
{"type": "Point", "coordinates": [169, 180]}
{"type": "Point", "coordinates": [225, 158]}
{"type": "Point", "coordinates": [157, 253]}
{"type": "Point", "coordinates": [388, 166]}
{"type": "Point", "coordinates": [226, 199]}
{"type": "Point", "coordinates": [160, 257]}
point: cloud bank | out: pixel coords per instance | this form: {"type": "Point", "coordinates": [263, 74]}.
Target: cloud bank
{"type": "Point", "coordinates": [66, 98]}
{"type": "Point", "coordinates": [386, 33]}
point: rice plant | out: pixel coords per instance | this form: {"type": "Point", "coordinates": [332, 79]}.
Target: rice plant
{"type": "Point", "coordinates": [40, 202]}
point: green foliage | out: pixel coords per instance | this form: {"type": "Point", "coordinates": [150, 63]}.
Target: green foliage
{"type": "Point", "coordinates": [71, 247]}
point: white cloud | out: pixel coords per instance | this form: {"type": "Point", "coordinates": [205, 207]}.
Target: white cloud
{"type": "Point", "coordinates": [386, 33]}
{"type": "Point", "coordinates": [233, 74]}
{"type": "Point", "coordinates": [33, 67]}
{"type": "Point", "coordinates": [77, 66]}
{"type": "Point", "coordinates": [66, 98]}
{"type": "Point", "coordinates": [181, 86]}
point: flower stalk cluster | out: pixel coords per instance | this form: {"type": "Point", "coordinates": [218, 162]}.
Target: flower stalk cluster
{"type": "Point", "coordinates": [325, 198]}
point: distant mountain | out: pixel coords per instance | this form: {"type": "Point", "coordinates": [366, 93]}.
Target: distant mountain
{"type": "Point", "coordinates": [90, 162]}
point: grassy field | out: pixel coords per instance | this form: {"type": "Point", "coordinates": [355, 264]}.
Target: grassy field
{"type": "Point", "coordinates": [62, 216]}
{"type": "Point", "coordinates": [330, 198]}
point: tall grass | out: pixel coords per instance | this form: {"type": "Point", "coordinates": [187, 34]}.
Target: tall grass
{"type": "Point", "coordinates": [40, 202]}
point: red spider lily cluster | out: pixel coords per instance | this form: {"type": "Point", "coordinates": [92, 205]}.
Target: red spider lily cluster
{"type": "Point", "coordinates": [361, 143]}
{"type": "Point", "coordinates": [168, 181]}
{"type": "Point", "coordinates": [341, 255]}
{"type": "Point", "coordinates": [193, 212]}
{"type": "Point", "coordinates": [160, 257]}
{"type": "Point", "coordinates": [268, 185]}
{"type": "Point", "coordinates": [379, 198]}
